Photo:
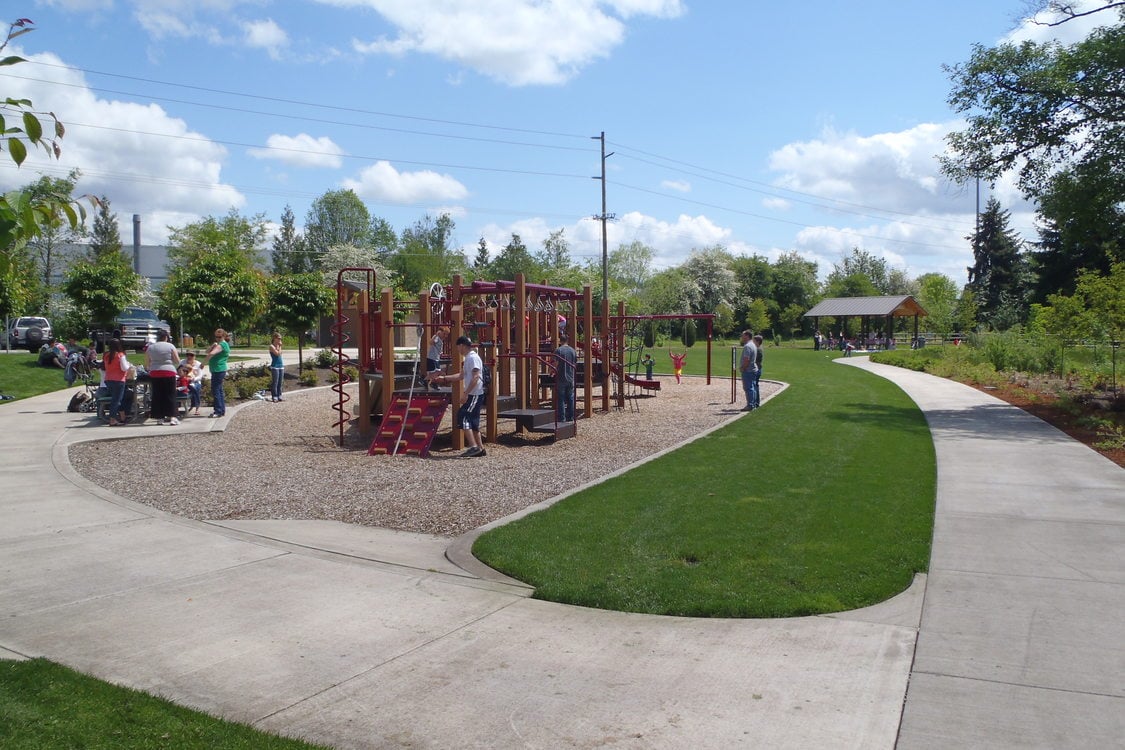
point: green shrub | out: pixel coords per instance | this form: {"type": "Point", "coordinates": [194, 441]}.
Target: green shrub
{"type": "Point", "coordinates": [324, 359]}
{"type": "Point", "coordinates": [308, 377]}
{"type": "Point", "coordinates": [351, 374]}
{"type": "Point", "coordinates": [247, 387]}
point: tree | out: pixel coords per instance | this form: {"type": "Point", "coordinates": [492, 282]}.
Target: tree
{"type": "Point", "coordinates": [794, 286]}
{"type": "Point", "coordinates": [106, 237]}
{"type": "Point", "coordinates": [214, 290]}
{"type": "Point", "coordinates": [426, 254]}
{"type": "Point", "coordinates": [1041, 107]}
{"type": "Point", "coordinates": [241, 237]}
{"type": "Point", "coordinates": [937, 294]}
{"type": "Point", "coordinates": [296, 302]}
{"type": "Point", "coordinates": [47, 247]}
{"type": "Point", "coordinates": [102, 288]}
{"type": "Point", "coordinates": [710, 269]}
{"type": "Point", "coordinates": [631, 266]}
{"type": "Point", "coordinates": [844, 279]}
{"type": "Point", "coordinates": [289, 254]}
{"type": "Point", "coordinates": [555, 255]}
{"type": "Point", "coordinates": [670, 292]}
{"type": "Point", "coordinates": [481, 261]}
{"type": "Point", "coordinates": [514, 258]}
{"type": "Point", "coordinates": [1082, 227]}
{"type": "Point", "coordinates": [336, 218]}
{"type": "Point", "coordinates": [23, 215]}
{"type": "Point", "coordinates": [1095, 311]}
{"type": "Point", "coordinates": [999, 277]}
{"type": "Point", "coordinates": [965, 313]}
{"type": "Point", "coordinates": [339, 257]}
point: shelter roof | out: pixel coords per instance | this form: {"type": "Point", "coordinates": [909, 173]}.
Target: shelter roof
{"type": "Point", "coordinates": [842, 307]}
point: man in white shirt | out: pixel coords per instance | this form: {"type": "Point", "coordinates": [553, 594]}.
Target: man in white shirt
{"type": "Point", "coordinates": [472, 395]}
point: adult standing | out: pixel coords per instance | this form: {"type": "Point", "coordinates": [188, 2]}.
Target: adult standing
{"type": "Point", "coordinates": [195, 381]}
{"type": "Point", "coordinates": [277, 368]}
{"type": "Point", "coordinates": [217, 357]}
{"type": "Point", "coordinates": [566, 360]}
{"type": "Point", "coordinates": [472, 395]}
{"type": "Point", "coordinates": [162, 362]}
{"type": "Point", "coordinates": [116, 369]}
{"type": "Point", "coordinates": [747, 365]}
{"type": "Point", "coordinates": [758, 370]}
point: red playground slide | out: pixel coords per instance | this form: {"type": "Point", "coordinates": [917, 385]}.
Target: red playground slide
{"type": "Point", "coordinates": [648, 385]}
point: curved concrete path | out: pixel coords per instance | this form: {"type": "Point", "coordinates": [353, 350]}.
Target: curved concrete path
{"type": "Point", "coordinates": [357, 637]}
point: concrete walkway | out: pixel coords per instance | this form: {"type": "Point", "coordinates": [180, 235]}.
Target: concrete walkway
{"type": "Point", "coordinates": [357, 637]}
{"type": "Point", "coordinates": [1023, 626]}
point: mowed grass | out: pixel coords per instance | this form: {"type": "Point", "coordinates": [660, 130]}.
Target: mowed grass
{"type": "Point", "coordinates": [22, 377]}
{"type": "Point", "coordinates": [821, 501]}
{"type": "Point", "coordinates": [45, 705]}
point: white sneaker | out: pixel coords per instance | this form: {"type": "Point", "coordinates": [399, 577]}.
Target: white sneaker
{"type": "Point", "coordinates": [174, 421]}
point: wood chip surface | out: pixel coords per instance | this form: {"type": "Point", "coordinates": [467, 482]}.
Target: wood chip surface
{"type": "Point", "coordinates": [283, 461]}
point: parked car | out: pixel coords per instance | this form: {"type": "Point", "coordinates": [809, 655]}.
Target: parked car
{"type": "Point", "coordinates": [29, 332]}
{"type": "Point", "coordinates": [135, 326]}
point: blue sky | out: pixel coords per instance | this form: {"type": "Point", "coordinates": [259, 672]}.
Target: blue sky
{"type": "Point", "coordinates": [763, 127]}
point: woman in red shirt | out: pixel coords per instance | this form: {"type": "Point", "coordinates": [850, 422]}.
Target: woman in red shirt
{"type": "Point", "coordinates": [116, 369]}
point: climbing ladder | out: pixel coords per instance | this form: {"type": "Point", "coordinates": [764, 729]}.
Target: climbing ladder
{"type": "Point", "coordinates": [416, 418]}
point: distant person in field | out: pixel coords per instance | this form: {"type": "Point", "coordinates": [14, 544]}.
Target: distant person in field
{"type": "Point", "coordinates": [678, 364]}
{"type": "Point", "coordinates": [747, 364]}
{"type": "Point", "coordinates": [758, 371]}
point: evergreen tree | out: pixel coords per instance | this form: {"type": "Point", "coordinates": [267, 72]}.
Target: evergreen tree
{"type": "Point", "coordinates": [999, 277]}
{"type": "Point", "coordinates": [289, 253]}
{"type": "Point", "coordinates": [106, 237]}
{"type": "Point", "coordinates": [513, 259]}
{"type": "Point", "coordinates": [481, 261]}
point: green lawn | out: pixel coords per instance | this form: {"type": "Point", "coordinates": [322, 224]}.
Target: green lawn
{"type": "Point", "coordinates": [22, 377]}
{"type": "Point", "coordinates": [45, 705]}
{"type": "Point", "coordinates": [820, 502]}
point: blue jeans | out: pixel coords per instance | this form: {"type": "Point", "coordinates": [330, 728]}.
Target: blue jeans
{"type": "Point", "coordinates": [276, 375]}
{"type": "Point", "coordinates": [193, 394]}
{"type": "Point", "coordinates": [565, 408]}
{"type": "Point", "coordinates": [749, 387]}
{"type": "Point", "coordinates": [757, 390]}
{"type": "Point", "coordinates": [116, 389]}
{"type": "Point", "coordinates": [218, 395]}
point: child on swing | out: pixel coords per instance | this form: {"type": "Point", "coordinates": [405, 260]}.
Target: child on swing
{"type": "Point", "coordinates": [678, 364]}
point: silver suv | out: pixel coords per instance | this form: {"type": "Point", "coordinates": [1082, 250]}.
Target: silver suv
{"type": "Point", "coordinates": [29, 333]}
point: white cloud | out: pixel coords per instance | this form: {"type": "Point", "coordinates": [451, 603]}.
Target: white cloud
{"type": "Point", "coordinates": [145, 161]}
{"type": "Point", "coordinates": [77, 5]}
{"type": "Point", "coordinates": [777, 204]}
{"type": "Point", "coordinates": [892, 171]}
{"type": "Point", "coordinates": [266, 35]}
{"type": "Point", "coordinates": [301, 150]}
{"type": "Point", "coordinates": [519, 42]}
{"type": "Point", "coordinates": [382, 182]}
{"type": "Point", "coordinates": [1035, 28]}
{"type": "Point", "coordinates": [681, 186]}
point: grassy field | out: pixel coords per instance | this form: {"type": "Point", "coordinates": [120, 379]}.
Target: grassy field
{"type": "Point", "coordinates": [820, 502]}
{"type": "Point", "coordinates": [22, 377]}
{"type": "Point", "coordinates": [45, 705]}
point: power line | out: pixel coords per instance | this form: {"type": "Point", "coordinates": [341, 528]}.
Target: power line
{"type": "Point", "coordinates": [318, 105]}
{"type": "Point", "coordinates": [318, 120]}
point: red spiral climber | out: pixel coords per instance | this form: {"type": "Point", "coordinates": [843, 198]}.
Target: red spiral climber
{"type": "Point", "coordinates": [340, 337]}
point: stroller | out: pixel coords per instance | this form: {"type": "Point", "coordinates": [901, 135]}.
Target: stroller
{"type": "Point", "coordinates": [80, 369]}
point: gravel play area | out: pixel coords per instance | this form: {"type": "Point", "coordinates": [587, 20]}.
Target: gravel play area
{"type": "Point", "coordinates": [282, 461]}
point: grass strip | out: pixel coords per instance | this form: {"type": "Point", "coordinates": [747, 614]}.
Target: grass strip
{"type": "Point", "coordinates": [820, 502]}
{"type": "Point", "coordinates": [46, 705]}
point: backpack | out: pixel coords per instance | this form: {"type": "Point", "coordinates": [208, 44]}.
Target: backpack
{"type": "Point", "coordinates": [486, 377]}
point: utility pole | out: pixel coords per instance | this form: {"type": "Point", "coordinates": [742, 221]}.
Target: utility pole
{"type": "Point", "coordinates": [604, 217]}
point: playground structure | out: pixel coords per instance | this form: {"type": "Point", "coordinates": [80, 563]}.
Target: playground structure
{"type": "Point", "coordinates": [520, 357]}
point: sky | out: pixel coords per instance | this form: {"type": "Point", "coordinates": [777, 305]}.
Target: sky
{"type": "Point", "coordinates": [766, 128]}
